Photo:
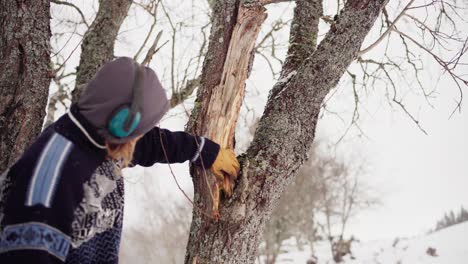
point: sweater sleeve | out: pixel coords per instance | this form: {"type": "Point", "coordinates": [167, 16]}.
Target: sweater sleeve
{"type": "Point", "coordinates": [37, 204]}
{"type": "Point", "coordinates": [164, 146]}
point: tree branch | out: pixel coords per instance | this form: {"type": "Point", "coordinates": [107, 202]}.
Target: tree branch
{"type": "Point", "coordinates": [385, 34]}
{"type": "Point", "coordinates": [448, 66]}
{"type": "Point", "coordinates": [154, 13]}
{"type": "Point", "coordinates": [58, 2]}
{"type": "Point", "coordinates": [153, 50]}
{"type": "Point", "coordinates": [267, 2]}
{"type": "Point", "coordinates": [180, 96]}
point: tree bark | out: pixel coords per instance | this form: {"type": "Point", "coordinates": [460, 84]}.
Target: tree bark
{"type": "Point", "coordinates": [286, 129]}
{"type": "Point", "coordinates": [98, 42]}
{"type": "Point", "coordinates": [24, 74]}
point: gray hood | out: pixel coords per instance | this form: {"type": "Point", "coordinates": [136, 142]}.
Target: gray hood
{"type": "Point", "coordinates": [112, 87]}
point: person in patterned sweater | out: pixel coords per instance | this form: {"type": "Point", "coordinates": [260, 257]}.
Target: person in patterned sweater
{"type": "Point", "coordinates": [62, 201]}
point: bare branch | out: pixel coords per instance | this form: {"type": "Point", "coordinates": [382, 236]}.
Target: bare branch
{"type": "Point", "coordinates": [155, 20]}
{"type": "Point", "coordinates": [267, 2]}
{"type": "Point", "coordinates": [58, 2]}
{"type": "Point", "coordinates": [152, 50]}
{"type": "Point", "coordinates": [416, 121]}
{"type": "Point", "coordinates": [185, 92]}
{"type": "Point", "coordinates": [174, 34]}
{"type": "Point", "coordinates": [382, 37]}
{"type": "Point", "coordinates": [448, 66]}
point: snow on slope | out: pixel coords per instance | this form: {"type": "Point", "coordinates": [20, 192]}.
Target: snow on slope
{"type": "Point", "coordinates": [451, 245]}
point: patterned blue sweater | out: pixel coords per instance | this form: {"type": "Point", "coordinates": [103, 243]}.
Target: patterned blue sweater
{"type": "Point", "coordinates": [62, 201]}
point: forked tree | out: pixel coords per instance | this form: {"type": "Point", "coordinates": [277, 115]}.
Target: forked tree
{"type": "Point", "coordinates": [286, 129]}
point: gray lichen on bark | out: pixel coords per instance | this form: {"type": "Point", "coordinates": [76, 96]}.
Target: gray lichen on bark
{"type": "Point", "coordinates": [303, 33]}
{"type": "Point", "coordinates": [24, 74]}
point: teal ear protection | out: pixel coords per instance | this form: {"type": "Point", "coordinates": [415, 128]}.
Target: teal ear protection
{"type": "Point", "coordinates": [125, 119]}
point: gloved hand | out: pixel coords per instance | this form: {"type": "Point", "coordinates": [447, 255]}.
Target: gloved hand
{"type": "Point", "coordinates": [226, 168]}
{"type": "Point", "coordinates": [225, 163]}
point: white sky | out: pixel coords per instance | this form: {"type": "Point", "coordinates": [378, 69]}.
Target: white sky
{"type": "Point", "coordinates": [418, 176]}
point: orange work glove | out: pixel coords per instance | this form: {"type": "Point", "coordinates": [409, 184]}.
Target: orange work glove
{"type": "Point", "coordinates": [226, 168]}
{"type": "Point", "coordinates": [226, 162]}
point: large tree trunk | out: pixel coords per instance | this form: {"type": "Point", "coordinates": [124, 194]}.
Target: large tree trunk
{"type": "Point", "coordinates": [24, 74]}
{"type": "Point", "coordinates": [285, 131]}
{"type": "Point", "coordinates": [99, 40]}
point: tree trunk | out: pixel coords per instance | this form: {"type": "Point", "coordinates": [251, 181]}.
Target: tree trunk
{"type": "Point", "coordinates": [286, 129]}
{"type": "Point", "coordinates": [98, 42]}
{"type": "Point", "coordinates": [24, 74]}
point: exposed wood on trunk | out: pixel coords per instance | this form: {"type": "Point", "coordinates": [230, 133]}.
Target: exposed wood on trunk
{"type": "Point", "coordinates": [224, 19]}
{"type": "Point", "coordinates": [223, 22]}
{"type": "Point", "coordinates": [284, 136]}
{"type": "Point", "coordinates": [98, 42]}
{"type": "Point", "coordinates": [224, 106]}
{"type": "Point", "coordinates": [234, 32]}
{"type": "Point", "coordinates": [24, 74]}
{"type": "Point", "coordinates": [223, 111]}
{"type": "Point", "coordinates": [214, 71]}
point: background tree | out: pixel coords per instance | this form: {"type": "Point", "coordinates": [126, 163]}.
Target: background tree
{"type": "Point", "coordinates": [451, 219]}
{"type": "Point", "coordinates": [162, 238]}
{"type": "Point", "coordinates": [296, 213]}
{"type": "Point", "coordinates": [25, 74]}
{"type": "Point", "coordinates": [317, 206]}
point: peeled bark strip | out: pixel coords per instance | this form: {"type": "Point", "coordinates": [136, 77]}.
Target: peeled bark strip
{"type": "Point", "coordinates": [24, 74]}
{"type": "Point", "coordinates": [223, 91]}
{"type": "Point", "coordinates": [281, 142]}
{"type": "Point", "coordinates": [223, 22]}
{"type": "Point", "coordinates": [98, 42]}
{"type": "Point", "coordinates": [224, 17]}
{"type": "Point", "coordinates": [226, 99]}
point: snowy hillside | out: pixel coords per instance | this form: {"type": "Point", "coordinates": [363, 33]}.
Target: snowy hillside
{"type": "Point", "coordinates": [450, 244]}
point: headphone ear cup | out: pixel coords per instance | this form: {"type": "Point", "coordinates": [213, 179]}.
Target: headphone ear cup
{"type": "Point", "coordinates": [116, 124]}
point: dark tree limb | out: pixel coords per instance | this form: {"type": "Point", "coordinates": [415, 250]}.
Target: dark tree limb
{"type": "Point", "coordinates": [302, 39]}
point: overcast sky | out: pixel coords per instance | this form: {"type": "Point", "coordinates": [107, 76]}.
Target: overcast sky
{"type": "Point", "coordinates": [418, 176]}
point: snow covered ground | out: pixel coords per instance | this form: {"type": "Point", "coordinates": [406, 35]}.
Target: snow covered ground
{"type": "Point", "coordinates": [451, 245]}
